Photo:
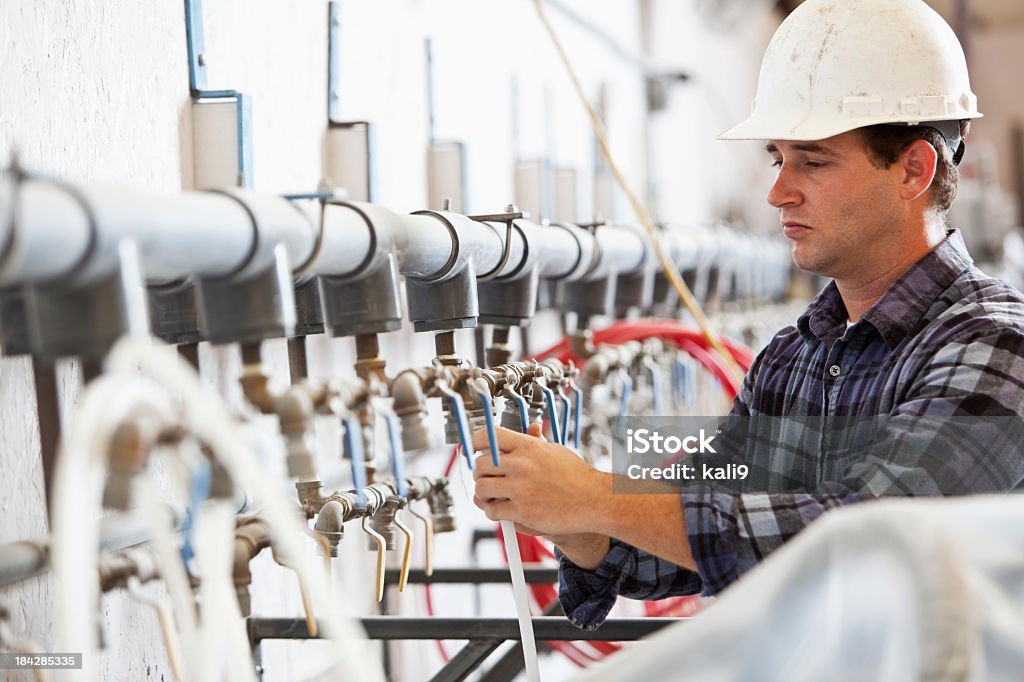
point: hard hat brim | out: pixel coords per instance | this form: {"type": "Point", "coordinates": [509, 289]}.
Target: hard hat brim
{"type": "Point", "coordinates": [755, 129]}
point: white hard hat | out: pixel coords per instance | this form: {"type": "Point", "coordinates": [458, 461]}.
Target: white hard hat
{"type": "Point", "coordinates": [837, 65]}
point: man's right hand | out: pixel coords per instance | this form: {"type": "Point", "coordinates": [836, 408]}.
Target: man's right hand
{"type": "Point", "coordinates": [586, 550]}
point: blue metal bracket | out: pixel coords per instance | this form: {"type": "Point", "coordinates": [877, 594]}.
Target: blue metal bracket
{"type": "Point", "coordinates": [196, 42]}
{"type": "Point", "coordinates": [196, 46]}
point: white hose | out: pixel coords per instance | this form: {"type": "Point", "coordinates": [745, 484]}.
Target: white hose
{"type": "Point", "coordinates": [224, 644]}
{"type": "Point", "coordinates": [77, 500]}
{"type": "Point", "coordinates": [207, 417]}
{"type": "Point", "coordinates": [515, 567]}
{"type": "Point", "coordinates": [172, 570]}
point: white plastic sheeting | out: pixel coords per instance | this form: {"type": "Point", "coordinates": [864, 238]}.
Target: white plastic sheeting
{"type": "Point", "coordinates": [889, 590]}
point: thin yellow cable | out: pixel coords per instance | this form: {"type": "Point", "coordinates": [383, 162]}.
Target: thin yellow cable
{"type": "Point", "coordinates": [685, 295]}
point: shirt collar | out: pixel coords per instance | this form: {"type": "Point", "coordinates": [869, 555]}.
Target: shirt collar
{"type": "Point", "coordinates": [898, 312]}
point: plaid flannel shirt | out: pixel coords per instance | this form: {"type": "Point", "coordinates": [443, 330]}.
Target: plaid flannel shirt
{"type": "Point", "coordinates": [944, 342]}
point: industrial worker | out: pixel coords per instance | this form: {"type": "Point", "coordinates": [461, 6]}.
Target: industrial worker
{"type": "Point", "coordinates": [864, 105]}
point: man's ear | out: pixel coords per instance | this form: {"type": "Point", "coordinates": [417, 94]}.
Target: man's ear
{"type": "Point", "coordinates": [917, 163]}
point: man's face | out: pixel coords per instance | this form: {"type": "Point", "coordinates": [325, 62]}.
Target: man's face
{"type": "Point", "coordinates": [840, 212]}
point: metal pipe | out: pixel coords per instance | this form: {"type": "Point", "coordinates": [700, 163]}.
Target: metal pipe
{"type": "Point", "coordinates": [251, 538]}
{"type": "Point", "coordinates": [410, 405]}
{"type": "Point", "coordinates": [23, 560]}
{"type": "Point", "coordinates": [46, 253]}
{"type": "Point", "coordinates": [48, 411]}
{"type": "Point", "coordinates": [402, 627]}
{"type": "Point", "coordinates": [553, 249]}
{"type": "Point", "coordinates": [422, 244]}
{"type": "Point", "coordinates": [330, 524]}
{"type": "Point", "coordinates": [71, 233]}
{"type": "Point", "coordinates": [53, 236]}
{"type": "Point", "coordinates": [63, 231]}
{"type": "Point", "coordinates": [622, 250]}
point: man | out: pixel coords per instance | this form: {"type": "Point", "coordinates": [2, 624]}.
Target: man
{"type": "Point", "coordinates": [864, 105]}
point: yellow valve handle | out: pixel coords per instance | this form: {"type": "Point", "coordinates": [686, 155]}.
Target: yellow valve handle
{"type": "Point", "coordinates": [166, 617]}
{"type": "Point", "coordinates": [307, 598]}
{"type": "Point", "coordinates": [428, 541]}
{"type": "Point", "coordinates": [381, 549]}
{"type": "Point", "coordinates": [407, 532]}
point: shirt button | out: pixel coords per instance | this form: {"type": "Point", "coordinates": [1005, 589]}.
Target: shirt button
{"type": "Point", "coordinates": [834, 370]}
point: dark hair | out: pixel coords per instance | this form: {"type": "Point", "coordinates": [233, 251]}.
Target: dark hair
{"type": "Point", "coordinates": [886, 142]}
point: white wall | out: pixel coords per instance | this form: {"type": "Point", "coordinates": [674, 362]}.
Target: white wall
{"type": "Point", "coordinates": [700, 179]}
{"type": "Point", "coordinates": [96, 91]}
{"type": "Point", "coordinates": [994, 56]}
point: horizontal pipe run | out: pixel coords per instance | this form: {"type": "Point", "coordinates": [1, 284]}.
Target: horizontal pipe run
{"type": "Point", "coordinates": [553, 249]}
{"type": "Point", "coordinates": [622, 251]}
{"type": "Point", "coordinates": [44, 232]}
{"type": "Point", "coordinates": [22, 560]}
{"type": "Point", "coordinates": [401, 627]}
{"type": "Point", "coordinates": [56, 232]}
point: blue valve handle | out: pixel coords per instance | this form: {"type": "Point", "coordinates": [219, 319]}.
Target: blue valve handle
{"type": "Point", "coordinates": [199, 490]}
{"type": "Point", "coordinates": [460, 421]}
{"type": "Point", "coordinates": [549, 399]}
{"type": "Point", "coordinates": [677, 381]}
{"type": "Point", "coordinates": [627, 390]}
{"type": "Point", "coordinates": [524, 409]}
{"type": "Point", "coordinates": [687, 390]}
{"type": "Point", "coordinates": [656, 388]}
{"type": "Point", "coordinates": [354, 445]}
{"type": "Point", "coordinates": [566, 409]}
{"type": "Point", "coordinates": [577, 411]}
{"type": "Point", "coordinates": [397, 454]}
{"type": "Point", "coordinates": [492, 436]}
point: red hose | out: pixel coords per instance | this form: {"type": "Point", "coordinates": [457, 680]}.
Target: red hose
{"type": "Point", "coordinates": [686, 338]}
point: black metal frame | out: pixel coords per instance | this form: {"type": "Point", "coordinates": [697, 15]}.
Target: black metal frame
{"type": "Point", "coordinates": [484, 635]}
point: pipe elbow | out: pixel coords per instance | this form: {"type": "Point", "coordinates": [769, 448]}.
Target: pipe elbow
{"type": "Point", "coordinates": [330, 524]}
{"type": "Point", "coordinates": [410, 404]}
{"type": "Point", "coordinates": [256, 388]}
{"type": "Point", "coordinates": [331, 518]}
{"type": "Point", "coordinates": [250, 539]}
{"type": "Point", "coordinates": [294, 409]}
{"type": "Point", "coordinates": [407, 391]}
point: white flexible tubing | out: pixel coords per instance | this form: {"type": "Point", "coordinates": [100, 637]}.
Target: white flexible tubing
{"type": "Point", "coordinates": [77, 500]}
{"type": "Point", "coordinates": [172, 570]}
{"type": "Point", "coordinates": [221, 622]}
{"type": "Point", "coordinates": [207, 417]}
{"type": "Point", "coordinates": [515, 567]}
